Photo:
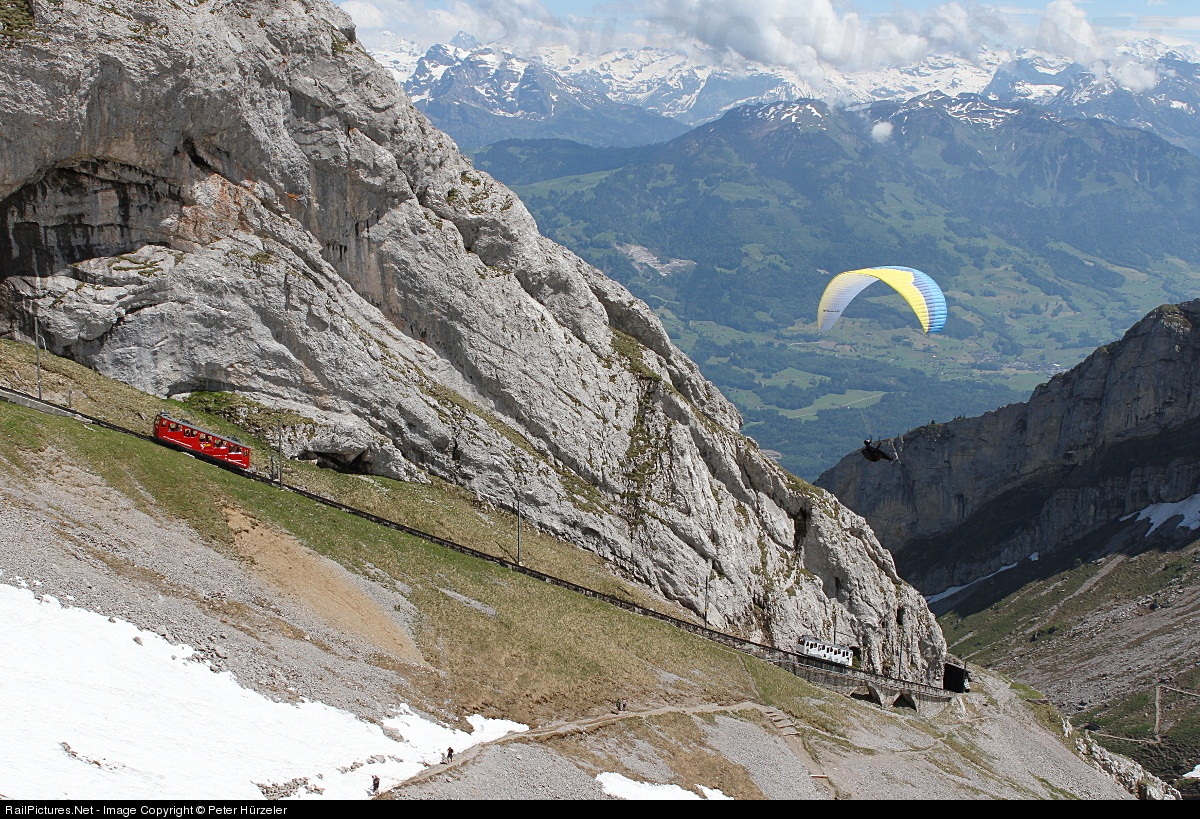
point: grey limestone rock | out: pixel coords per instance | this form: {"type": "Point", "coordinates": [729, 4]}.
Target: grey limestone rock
{"type": "Point", "coordinates": [234, 196]}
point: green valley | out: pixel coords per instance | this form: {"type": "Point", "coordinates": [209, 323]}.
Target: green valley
{"type": "Point", "coordinates": [1049, 238]}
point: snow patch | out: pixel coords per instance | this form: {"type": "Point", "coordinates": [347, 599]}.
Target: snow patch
{"type": "Point", "coordinates": [1160, 513]}
{"type": "Point", "coordinates": [956, 589]}
{"type": "Point", "coordinates": [95, 708]}
{"type": "Point", "coordinates": [614, 784]}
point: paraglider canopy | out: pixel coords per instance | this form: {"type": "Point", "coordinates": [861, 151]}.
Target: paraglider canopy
{"type": "Point", "coordinates": [921, 292]}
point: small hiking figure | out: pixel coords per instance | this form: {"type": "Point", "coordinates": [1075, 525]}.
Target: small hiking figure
{"type": "Point", "coordinates": [872, 452]}
{"type": "Point", "coordinates": [375, 784]}
{"type": "Point", "coordinates": [449, 754]}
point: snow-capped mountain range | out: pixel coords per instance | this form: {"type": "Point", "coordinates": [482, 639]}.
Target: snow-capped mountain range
{"type": "Point", "coordinates": [481, 93]}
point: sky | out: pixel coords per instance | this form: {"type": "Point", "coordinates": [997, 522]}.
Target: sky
{"type": "Point", "coordinates": [849, 34]}
{"type": "Point", "coordinates": [92, 707]}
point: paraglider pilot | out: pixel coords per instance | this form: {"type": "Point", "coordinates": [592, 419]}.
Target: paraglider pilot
{"type": "Point", "coordinates": [872, 452]}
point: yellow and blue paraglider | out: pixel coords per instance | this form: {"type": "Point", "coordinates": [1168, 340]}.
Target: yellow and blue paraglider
{"type": "Point", "coordinates": [921, 292]}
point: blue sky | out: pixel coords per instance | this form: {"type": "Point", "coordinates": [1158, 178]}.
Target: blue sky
{"type": "Point", "coordinates": [846, 33]}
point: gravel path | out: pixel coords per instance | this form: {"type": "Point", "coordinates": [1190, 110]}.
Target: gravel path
{"type": "Point", "coordinates": [985, 746]}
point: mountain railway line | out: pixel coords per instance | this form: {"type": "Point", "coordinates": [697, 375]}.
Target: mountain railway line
{"type": "Point", "coordinates": [857, 683]}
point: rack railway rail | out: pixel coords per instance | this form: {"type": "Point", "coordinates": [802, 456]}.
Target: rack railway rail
{"type": "Point", "coordinates": [812, 668]}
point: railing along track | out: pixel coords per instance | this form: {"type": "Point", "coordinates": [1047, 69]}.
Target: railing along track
{"type": "Point", "coordinates": [787, 660]}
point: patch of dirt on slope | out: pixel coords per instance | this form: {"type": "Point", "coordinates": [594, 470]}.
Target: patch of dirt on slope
{"type": "Point", "coordinates": [320, 584]}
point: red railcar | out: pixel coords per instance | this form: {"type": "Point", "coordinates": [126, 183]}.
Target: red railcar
{"type": "Point", "coordinates": [202, 442]}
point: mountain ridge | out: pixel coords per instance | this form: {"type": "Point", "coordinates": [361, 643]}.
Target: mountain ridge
{"type": "Point", "coordinates": [1129, 402]}
{"type": "Point", "coordinates": [1143, 84]}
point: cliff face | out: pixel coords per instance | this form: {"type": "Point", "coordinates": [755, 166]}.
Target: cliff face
{"type": "Point", "coordinates": [1074, 465]}
{"type": "Point", "coordinates": [234, 196]}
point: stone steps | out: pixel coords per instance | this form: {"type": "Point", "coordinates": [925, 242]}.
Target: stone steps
{"type": "Point", "coordinates": [783, 723]}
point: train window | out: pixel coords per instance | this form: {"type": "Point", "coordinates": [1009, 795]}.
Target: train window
{"type": "Point", "coordinates": [189, 433]}
{"type": "Point", "coordinates": [203, 437]}
{"type": "Point", "coordinates": [234, 449]}
{"type": "Point", "coordinates": [174, 427]}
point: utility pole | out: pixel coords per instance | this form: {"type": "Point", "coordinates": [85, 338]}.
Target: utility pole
{"type": "Point", "coordinates": [707, 577]}
{"type": "Point", "coordinates": [1157, 712]}
{"type": "Point", "coordinates": [279, 453]}
{"type": "Point", "coordinates": [518, 488]}
{"type": "Point", "coordinates": [37, 346]}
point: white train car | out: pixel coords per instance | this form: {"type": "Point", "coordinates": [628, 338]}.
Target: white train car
{"type": "Point", "coordinates": [812, 647]}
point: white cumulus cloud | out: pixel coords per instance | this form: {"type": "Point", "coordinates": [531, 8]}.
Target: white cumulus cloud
{"type": "Point", "coordinates": [520, 24]}
{"type": "Point", "coordinates": [881, 132]}
{"type": "Point", "coordinates": [365, 15]}
{"type": "Point", "coordinates": [1134, 76]}
{"type": "Point", "coordinates": [801, 34]}
{"type": "Point", "coordinates": [1065, 30]}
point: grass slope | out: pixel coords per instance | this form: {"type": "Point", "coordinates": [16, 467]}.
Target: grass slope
{"type": "Point", "coordinates": [498, 643]}
{"type": "Point", "coordinates": [1102, 635]}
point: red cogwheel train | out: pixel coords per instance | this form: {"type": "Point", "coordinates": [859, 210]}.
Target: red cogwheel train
{"type": "Point", "coordinates": [210, 445]}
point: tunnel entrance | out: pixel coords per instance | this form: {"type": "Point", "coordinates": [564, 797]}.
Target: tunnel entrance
{"type": "Point", "coordinates": [956, 678]}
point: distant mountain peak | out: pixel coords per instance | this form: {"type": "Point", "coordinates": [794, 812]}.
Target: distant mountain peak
{"type": "Point", "coordinates": [485, 93]}
{"type": "Point", "coordinates": [798, 112]}
{"type": "Point", "coordinates": [974, 110]}
{"type": "Point", "coordinates": [464, 40]}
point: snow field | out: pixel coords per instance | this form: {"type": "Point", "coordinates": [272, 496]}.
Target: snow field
{"type": "Point", "coordinates": [89, 712]}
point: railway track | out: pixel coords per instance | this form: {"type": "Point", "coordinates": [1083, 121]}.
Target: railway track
{"type": "Point", "coordinates": [797, 664]}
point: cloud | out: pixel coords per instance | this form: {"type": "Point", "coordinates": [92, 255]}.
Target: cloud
{"type": "Point", "coordinates": [365, 15]}
{"type": "Point", "coordinates": [521, 24]}
{"type": "Point", "coordinates": [799, 33]}
{"type": "Point", "coordinates": [1134, 76]}
{"type": "Point", "coordinates": [805, 35]}
{"type": "Point", "coordinates": [881, 132]}
{"type": "Point", "coordinates": [1065, 30]}
{"type": "Point", "coordinates": [776, 32]}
